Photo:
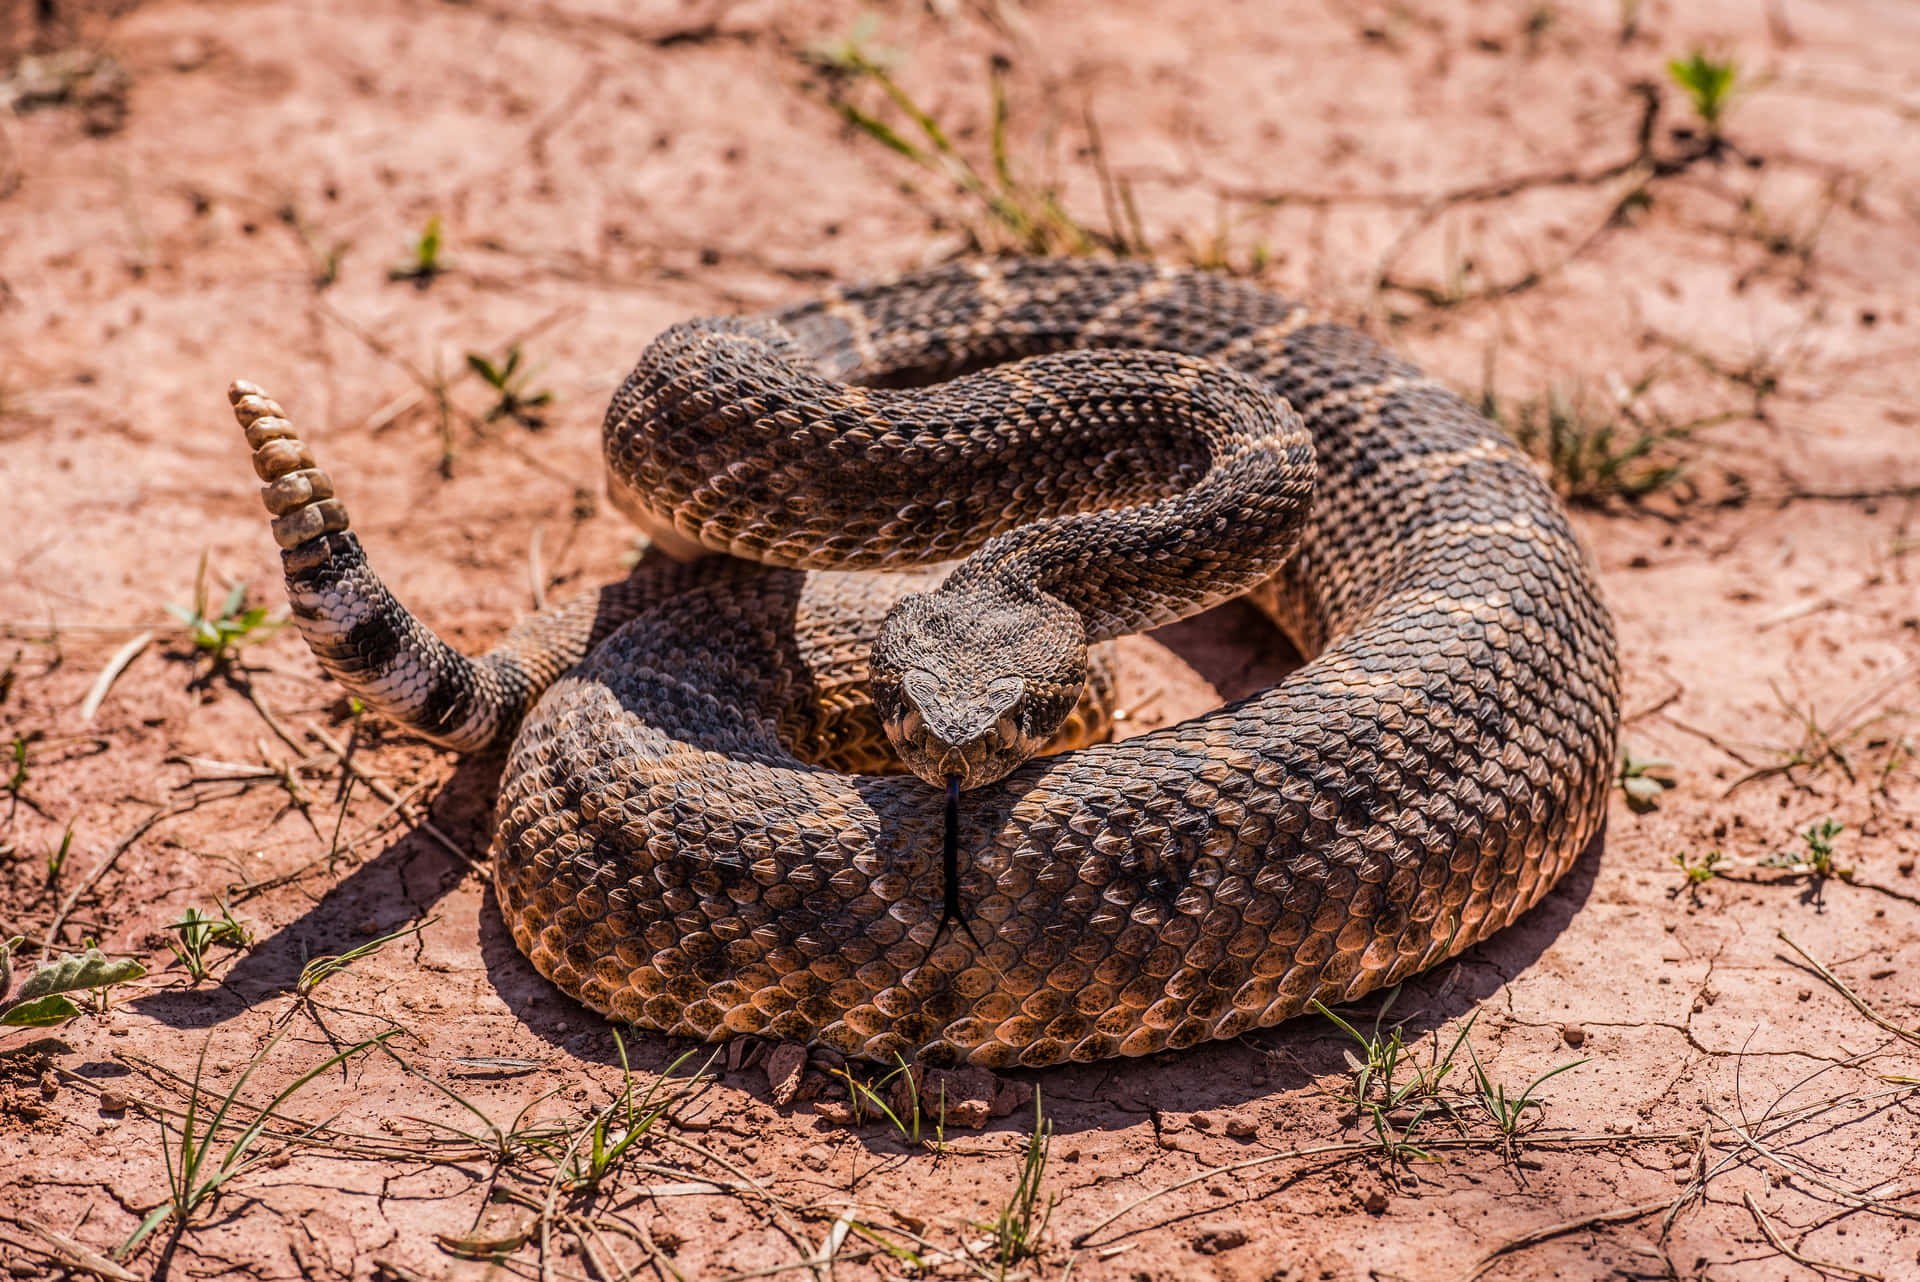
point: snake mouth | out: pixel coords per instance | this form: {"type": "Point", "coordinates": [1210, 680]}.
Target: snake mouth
{"type": "Point", "coordinates": [953, 765]}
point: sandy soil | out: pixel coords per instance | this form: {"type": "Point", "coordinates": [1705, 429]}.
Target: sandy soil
{"type": "Point", "coordinates": [190, 193]}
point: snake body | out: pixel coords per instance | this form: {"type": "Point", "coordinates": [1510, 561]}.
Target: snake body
{"type": "Point", "coordinates": [671, 849]}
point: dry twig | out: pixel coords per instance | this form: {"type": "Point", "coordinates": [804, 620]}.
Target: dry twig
{"type": "Point", "coordinates": [1780, 1245]}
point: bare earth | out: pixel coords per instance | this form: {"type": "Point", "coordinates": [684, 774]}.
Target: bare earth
{"type": "Point", "coordinates": [225, 197]}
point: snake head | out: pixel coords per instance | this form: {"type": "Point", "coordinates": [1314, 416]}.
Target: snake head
{"type": "Point", "coordinates": [972, 683]}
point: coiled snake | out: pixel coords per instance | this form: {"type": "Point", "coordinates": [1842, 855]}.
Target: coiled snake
{"type": "Point", "coordinates": [673, 848]}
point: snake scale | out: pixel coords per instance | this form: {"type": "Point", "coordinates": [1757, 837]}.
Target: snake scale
{"type": "Point", "coordinates": [674, 846]}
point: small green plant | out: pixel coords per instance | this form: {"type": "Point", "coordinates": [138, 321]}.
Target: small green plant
{"type": "Point", "coordinates": [1644, 780]}
{"type": "Point", "coordinates": [1019, 214]}
{"type": "Point", "coordinates": [198, 932]}
{"type": "Point", "coordinates": [1509, 1114]}
{"type": "Point", "coordinates": [508, 381]}
{"type": "Point", "coordinates": [422, 262]}
{"type": "Point", "coordinates": [220, 635]}
{"type": "Point", "coordinates": [1708, 84]}
{"type": "Point", "coordinates": [1699, 871]}
{"type": "Point", "coordinates": [1819, 858]}
{"type": "Point", "coordinates": [18, 753]}
{"type": "Point", "coordinates": [46, 997]}
{"type": "Point", "coordinates": [1380, 1094]}
{"type": "Point", "coordinates": [867, 1098]}
{"type": "Point", "coordinates": [1381, 1053]}
{"type": "Point", "coordinates": [614, 1129]}
{"type": "Point", "coordinates": [196, 1172]}
{"type": "Point", "coordinates": [1591, 456]}
{"type": "Point", "coordinates": [57, 857]}
{"type": "Point", "coordinates": [1021, 1222]}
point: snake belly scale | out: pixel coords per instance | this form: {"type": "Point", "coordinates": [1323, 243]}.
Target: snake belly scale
{"type": "Point", "coordinates": [673, 849]}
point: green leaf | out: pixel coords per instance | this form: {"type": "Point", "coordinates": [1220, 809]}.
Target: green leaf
{"type": "Point", "coordinates": [1643, 792]}
{"type": "Point", "coordinates": [77, 972]}
{"type": "Point", "coordinates": [41, 1012]}
{"type": "Point", "coordinates": [6, 960]}
{"type": "Point", "coordinates": [154, 1219]}
{"type": "Point", "coordinates": [484, 368]}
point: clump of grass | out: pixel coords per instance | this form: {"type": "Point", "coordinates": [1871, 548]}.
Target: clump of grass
{"type": "Point", "coordinates": [1644, 780]}
{"type": "Point", "coordinates": [1023, 1219]}
{"type": "Point", "coordinates": [1380, 1093]}
{"type": "Point", "coordinates": [1399, 1093]}
{"type": "Point", "coordinates": [422, 263]}
{"type": "Point", "coordinates": [866, 1098]}
{"type": "Point", "coordinates": [508, 382]}
{"type": "Point", "coordinates": [219, 634]}
{"type": "Point", "coordinates": [197, 1167]}
{"type": "Point", "coordinates": [46, 999]}
{"type": "Point", "coordinates": [1819, 861]}
{"type": "Point", "coordinates": [594, 1151]}
{"type": "Point", "coordinates": [1018, 214]}
{"type": "Point", "coordinates": [1708, 83]}
{"type": "Point", "coordinates": [1593, 454]}
{"type": "Point", "coordinates": [196, 932]}
{"type": "Point", "coordinates": [1509, 1114]}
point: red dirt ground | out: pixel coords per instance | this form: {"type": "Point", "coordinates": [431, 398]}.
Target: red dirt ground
{"type": "Point", "coordinates": [1463, 178]}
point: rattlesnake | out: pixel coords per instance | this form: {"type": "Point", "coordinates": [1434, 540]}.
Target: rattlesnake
{"type": "Point", "coordinates": [669, 849]}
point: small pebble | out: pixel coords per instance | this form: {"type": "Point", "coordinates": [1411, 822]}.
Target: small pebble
{"type": "Point", "coordinates": [1241, 1127]}
{"type": "Point", "coordinates": [1212, 1239]}
{"type": "Point", "coordinates": [1201, 1122]}
{"type": "Point", "coordinates": [112, 1101]}
{"type": "Point", "coordinates": [189, 53]}
{"type": "Point", "coordinates": [1573, 1035]}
